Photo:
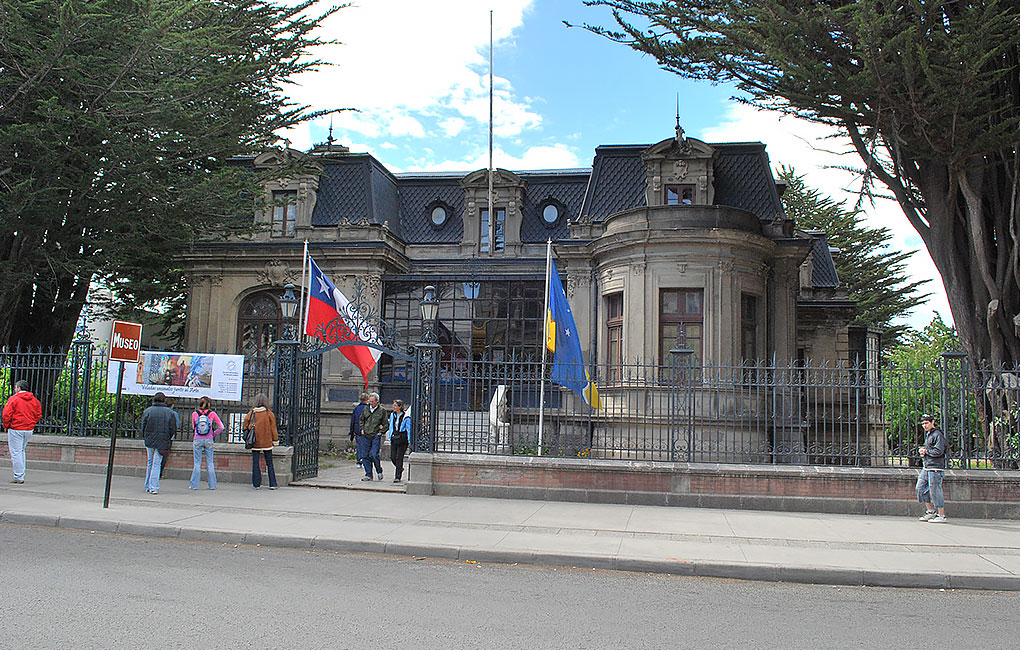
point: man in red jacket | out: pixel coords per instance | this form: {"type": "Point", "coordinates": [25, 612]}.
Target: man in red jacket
{"type": "Point", "coordinates": [21, 413]}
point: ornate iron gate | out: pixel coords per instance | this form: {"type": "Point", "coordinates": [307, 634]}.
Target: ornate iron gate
{"type": "Point", "coordinates": [298, 402]}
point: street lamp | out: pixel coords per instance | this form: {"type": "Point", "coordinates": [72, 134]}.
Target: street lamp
{"type": "Point", "coordinates": [288, 304]}
{"type": "Point", "coordinates": [426, 375]}
{"type": "Point", "coordinates": [429, 306]}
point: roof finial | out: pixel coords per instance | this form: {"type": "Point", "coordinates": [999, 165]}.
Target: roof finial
{"type": "Point", "coordinates": [329, 138]}
{"type": "Point", "coordinates": [679, 129]}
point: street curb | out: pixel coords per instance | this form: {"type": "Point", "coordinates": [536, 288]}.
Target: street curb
{"type": "Point", "coordinates": [693, 568]}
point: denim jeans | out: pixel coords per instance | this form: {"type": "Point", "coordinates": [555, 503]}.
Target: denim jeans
{"type": "Point", "coordinates": [16, 441]}
{"type": "Point", "coordinates": [368, 453]}
{"type": "Point", "coordinates": [256, 470]}
{"type": "Point", "coordinates": [929, 487]}
{"type": "Point", "coordinates": [152, 463]}
{"type": "Point", "coordinates": [203, 445]}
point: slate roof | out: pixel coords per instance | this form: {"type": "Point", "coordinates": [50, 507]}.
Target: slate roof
{"type": "Point", "coordinates": [385, 205]}
{"type": "Point", "coordinates": [417, 194]}
{"type": "Point", "coordinates": [566, 188]}
{"type": "Point", "coordinates": [343, 191]}
{"type": "Point", "coordinates": [357, 186]}
{"type": "Point", "coordinates": [823, 269]}
{"type": "Point", "coordinates": [743, 180]}
{"type": "Point", "coordinates": [617, 181]}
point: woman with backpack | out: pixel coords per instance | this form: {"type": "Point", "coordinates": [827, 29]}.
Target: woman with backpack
{"type": "Point", "coordinates": [206, 425]}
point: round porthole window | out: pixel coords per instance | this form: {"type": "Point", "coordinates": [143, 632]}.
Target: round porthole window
{"type": "Point", "coordinates": [550, 213]}
{"type": "Point", "coordinates": [439, 215]}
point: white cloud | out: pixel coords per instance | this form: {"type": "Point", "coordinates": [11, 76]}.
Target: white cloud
{"type": "Point", "coordinates": [402, 62]}
{"type": "Point", "coordinates": [452, 126]}
{"type": "Point", "coordinates": [812, 151]}
{"type": "Point", "coordinates": [555, 156]}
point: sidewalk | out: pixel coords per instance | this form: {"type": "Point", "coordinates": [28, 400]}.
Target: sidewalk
{"type": "Point", "coordinates": [750, 545]}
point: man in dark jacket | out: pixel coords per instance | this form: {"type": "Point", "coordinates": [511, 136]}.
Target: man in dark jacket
{"type": "Point", "coordinates": [21, 413]}
{"type": "Point", "coordinates": [356, 417]}
{"type": "Point", "coordinates": [374, 423]}
{"type": "Point", "coordinates": [158, 426]}
{"type": "Point", "coordinates": [929, 482]}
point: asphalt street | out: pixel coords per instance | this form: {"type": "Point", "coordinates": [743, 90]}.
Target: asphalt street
{"type": "Point", "coordinates": [71, 589]}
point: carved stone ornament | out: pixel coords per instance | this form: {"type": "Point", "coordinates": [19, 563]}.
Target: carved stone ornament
{"type": "Point", "coordinates": [202, 278]}
{"type": "Point", "coordinates": [276, 274]}
{"type": "Point", "coordinates": [680, 169]}
{"type": "Point", "coordinates": [681, 267]}
{"type": "Point", "coordinates": [637, 268]}
{"type": "Point", "coordinates": [575, 282]}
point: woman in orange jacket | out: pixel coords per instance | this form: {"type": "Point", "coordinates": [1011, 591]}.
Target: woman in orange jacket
{"type": "Point", "coordinates": [262, 420]}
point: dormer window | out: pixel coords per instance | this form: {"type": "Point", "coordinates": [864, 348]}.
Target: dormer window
{"type": "Point", "coordinates": [679, 195]}
{"type": "Point", "coordinates": [499, 241]}
{"type": "Point", "coordinates": [284, 213]}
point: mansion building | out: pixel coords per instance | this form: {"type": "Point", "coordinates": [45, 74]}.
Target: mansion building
{"type": "Point", "coordinates": [650, 240]}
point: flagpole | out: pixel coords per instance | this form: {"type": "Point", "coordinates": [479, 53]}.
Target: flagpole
{"type": "Point", "coordinates": [545, 341]}
{"type": "Point", "coordinates": [492, 215]}
{"type": "Point", "coordinates": [304, 293]}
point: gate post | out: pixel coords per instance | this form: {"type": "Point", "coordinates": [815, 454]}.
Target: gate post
{"type": "Point", "coordinates": [426, 377]}
{"type": "Point", "coordinates": [285, 390]}
{"type": "Point", "coordinates": [81, 383]}
{"type": "Point", "coordinates": [681, 402]}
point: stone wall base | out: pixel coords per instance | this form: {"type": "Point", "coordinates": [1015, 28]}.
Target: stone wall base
{"type": "Point", "coordinates": [66, 454]}
{"type": "Point", "coordinates": [979, 494]}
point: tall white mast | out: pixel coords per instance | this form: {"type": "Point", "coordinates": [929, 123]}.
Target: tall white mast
{"type": "Point", "coordinates": [492, 215]}
{"type": "Point", "coordinates": [545, 340]}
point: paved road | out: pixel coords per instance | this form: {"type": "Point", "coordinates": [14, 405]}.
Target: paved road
{"type": "Point", "coordinates": [70, 589]}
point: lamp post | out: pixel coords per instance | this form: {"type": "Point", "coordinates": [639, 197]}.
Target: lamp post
{"type": "Point", "coordinates": [285, 395]}
{"type": "Point", "coordinates": [429, 311]}
{"type": "Point", "coordinates": [288, 305]}
{"type": "Point", "coordinates": [426, 375]}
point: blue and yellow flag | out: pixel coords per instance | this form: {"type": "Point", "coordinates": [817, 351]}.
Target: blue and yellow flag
{"type": "Point", "coordinates": [562, 340]}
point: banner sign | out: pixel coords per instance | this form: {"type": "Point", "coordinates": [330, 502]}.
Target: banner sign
{"type": "Point", "coordinates": [182, 374]}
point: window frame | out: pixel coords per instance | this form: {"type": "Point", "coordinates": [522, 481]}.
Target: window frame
{"type": "Point", "coordinates": [614, 324]}
{"type": "Point", "coordinates": [431, 207]}
{"type": "Point", "coordinates": [485, 243]}
{"type": "Point", "coordinates": [681, 317]}
{"type": "Point", "coordinates": [561, 212]}
{"type": "Point", "coordinates": [284, 214]}
{"type": "Point", "coordinates": [678, 189]}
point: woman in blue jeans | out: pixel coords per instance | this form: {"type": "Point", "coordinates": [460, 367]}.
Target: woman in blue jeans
{"type": "Point", "coordinates": [206, 425]}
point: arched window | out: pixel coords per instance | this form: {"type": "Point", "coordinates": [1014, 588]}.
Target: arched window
{"type": "Point", "coordinates": [260, 322]}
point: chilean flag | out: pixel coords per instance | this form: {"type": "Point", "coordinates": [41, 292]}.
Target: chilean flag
{"type": "Point", "coordinates": [327, 304]}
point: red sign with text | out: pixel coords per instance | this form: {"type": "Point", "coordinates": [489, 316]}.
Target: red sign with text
{"type": "Point", "coordinates": [125, 341]}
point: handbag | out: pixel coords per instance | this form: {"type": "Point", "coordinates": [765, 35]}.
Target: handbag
{"type": "Point", "coordinates": [248, 434]}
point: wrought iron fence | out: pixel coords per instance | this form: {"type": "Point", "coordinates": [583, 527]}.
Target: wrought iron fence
{"type": "Point", "coordinates": [749, 413]}
{"type": "Point", "coordinates": [76, 389]}
{"type": "Point", "coordinates": [680, 411]}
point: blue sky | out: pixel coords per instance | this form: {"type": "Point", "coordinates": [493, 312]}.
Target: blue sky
{"type": "Point", "coordinates": [418, 73]}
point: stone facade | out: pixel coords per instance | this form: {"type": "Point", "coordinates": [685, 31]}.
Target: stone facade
{"type": "Point", "coordinates": [643, 229]}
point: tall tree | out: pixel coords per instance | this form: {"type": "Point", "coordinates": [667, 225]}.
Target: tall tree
{"type": "Point", "coordinates": [928, 92]}
{"type": "Point", "coordinates": [875, 276]}
{"type": "Point", "coordinates": [116, 119]}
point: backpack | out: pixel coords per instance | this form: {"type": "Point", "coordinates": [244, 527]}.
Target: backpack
{"type": "Point", "coordinates": [203, 424]}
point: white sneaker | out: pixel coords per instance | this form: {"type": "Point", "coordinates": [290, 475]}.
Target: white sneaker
{"type": "Point", "coordinates": [937, 519]}
{"type": "Point", "coordinates": [927, 516]}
